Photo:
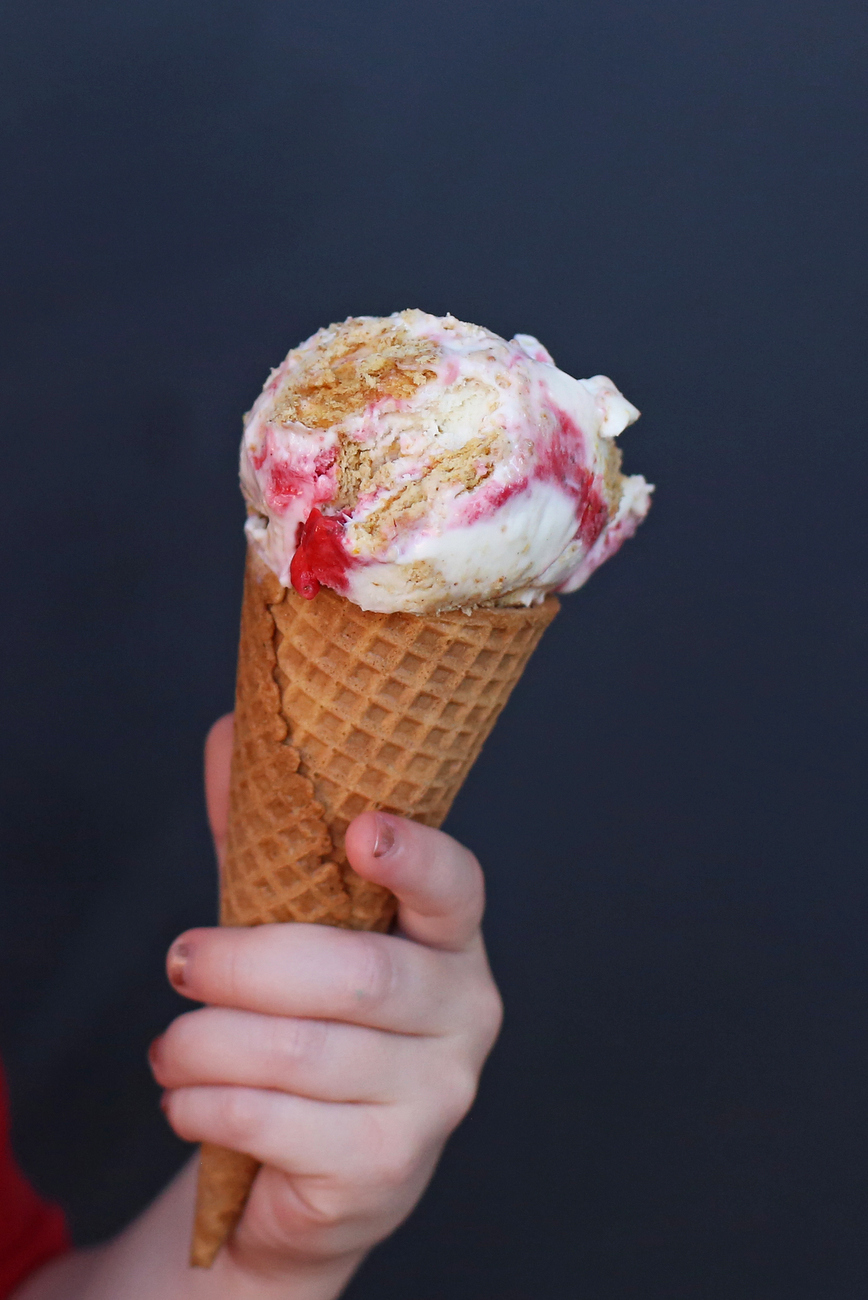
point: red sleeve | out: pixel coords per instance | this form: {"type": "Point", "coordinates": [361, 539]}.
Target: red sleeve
{"type": "Point", "coordinates": [31, 1232]}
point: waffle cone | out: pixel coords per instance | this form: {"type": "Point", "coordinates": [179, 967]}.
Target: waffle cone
{"type": "Point", "coordinates": [339, 710]}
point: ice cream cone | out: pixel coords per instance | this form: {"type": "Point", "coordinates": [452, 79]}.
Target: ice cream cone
{"type": "Point", "coordinates": [339, 710]}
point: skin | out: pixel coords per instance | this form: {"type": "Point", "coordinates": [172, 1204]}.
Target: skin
{"type": "Point", "coordinates": [341, 1060]}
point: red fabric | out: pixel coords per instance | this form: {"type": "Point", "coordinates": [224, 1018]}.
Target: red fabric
{"type": "Point", "coordinates": [31, 1232]}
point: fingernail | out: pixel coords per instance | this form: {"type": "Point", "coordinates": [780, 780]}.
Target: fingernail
{"type": "Point", "coordinates": [385, 836]}
{"type": "Point", "coordinates": [176, 963]}
{"type": "Point", "coordinates": [154, 1051]}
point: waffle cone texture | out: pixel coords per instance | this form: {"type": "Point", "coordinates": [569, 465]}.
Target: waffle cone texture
{"type": "Point", "coordinates": [337, 711]}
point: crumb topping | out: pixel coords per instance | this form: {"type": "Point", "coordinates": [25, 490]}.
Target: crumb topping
{"type": "Point", "coordinates": [463, 469]}
{"type": "Point", "coordinates": [351, 365]}
{"type": "Point", "coordinates": [613, 479]}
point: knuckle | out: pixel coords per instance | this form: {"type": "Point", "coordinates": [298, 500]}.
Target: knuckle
{"type": "Point", "coordinates": [484, 1012]}
{"type": "Point", "coordinates": [320, 1206]}
{"type": "Point", "coordinates": [392, 1155]}
{"type": "Point", "coordinates": [475, 886]}
{"type": "Point", "coordinates": [458, 1089]}
{"type": "Point", "coordinates": [371, 973]}
{"type": "Point", "coordinates": [296, 1041]}
{"type": "Point", "coordinates": [231, 971]}
{"type": "Point", "coordinates": [491, 1011]}
{"type": "Point", "coordinates": [397, 1168]}
{"type": "Point", "coordinates": [229, 1116]}
{"type": "Point", "coordinates": [475, 872]}
{"type": "Point", "coordinates": [236, 1113]}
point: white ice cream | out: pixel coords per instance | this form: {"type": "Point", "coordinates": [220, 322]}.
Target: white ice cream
{"type": "Point", "coordinates": [419, 463]}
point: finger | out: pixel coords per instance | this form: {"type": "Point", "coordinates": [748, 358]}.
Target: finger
{"type": "Point", "coordinates": [302, 1136]}
{"type": "Point", "coordinates": [218, 761]}
{"type": "Point", "coordinates": [438, 882]}
{"type": "Point", "coordinates": [319, 1220]}
{"type": "Point", "coordinates": [320, 1059]}
{"type": "Point", "coordinates": [325, 973]}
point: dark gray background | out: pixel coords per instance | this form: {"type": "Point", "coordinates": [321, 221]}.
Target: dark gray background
{"type": "Point", "coordinates": [670, 811]}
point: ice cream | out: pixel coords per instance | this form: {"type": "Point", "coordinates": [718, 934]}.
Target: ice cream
{"type": "Point", "coordinates": [419, 463]}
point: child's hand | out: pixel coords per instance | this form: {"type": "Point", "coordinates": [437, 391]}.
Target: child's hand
{"type": "Point", "coordinates": [339, 1059]}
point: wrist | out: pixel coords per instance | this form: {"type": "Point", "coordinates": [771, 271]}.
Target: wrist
{"type": "Point", "coordinates": [241, 1274]}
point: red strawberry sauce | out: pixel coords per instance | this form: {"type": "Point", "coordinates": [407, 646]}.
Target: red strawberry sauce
{"type": "Point", "coordinates": [560, 458]}
{"type": "Point", "coordinates": [320, 559]}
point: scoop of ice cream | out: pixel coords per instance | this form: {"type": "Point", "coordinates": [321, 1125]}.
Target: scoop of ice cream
{"type": "Point", "coordinates": [418, 463]}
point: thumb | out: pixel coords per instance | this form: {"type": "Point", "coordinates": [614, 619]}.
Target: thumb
{"type": "Point", "coordinates": [439, 884]}
{"type": "Point", "coordinates": [218, 762]}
